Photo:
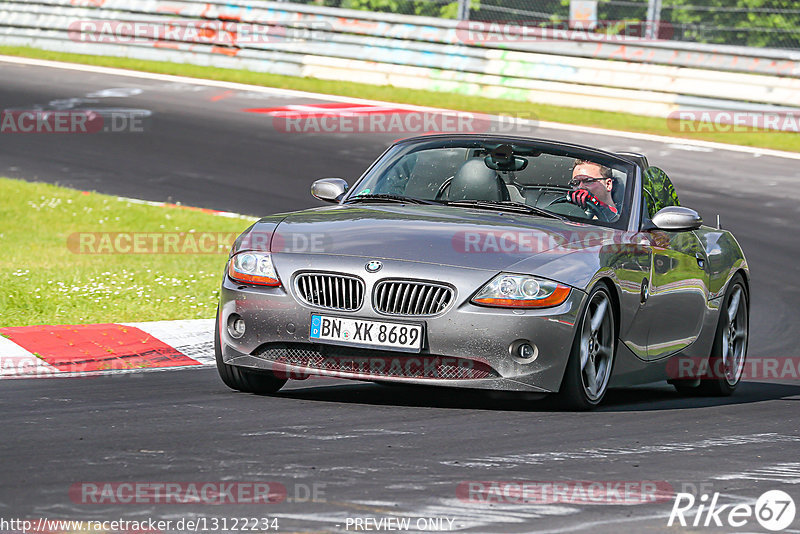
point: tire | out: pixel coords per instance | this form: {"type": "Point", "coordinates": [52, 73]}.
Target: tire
{"type": "Point", "coordinates": [729, 351]}
{"type": "Point", "coordinates": [259, 382]}
{"type": "Point", "coordinates": [591, 359]}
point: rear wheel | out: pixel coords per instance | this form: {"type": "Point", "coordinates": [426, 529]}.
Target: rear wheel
{"type": "Point", "coordinates": [260, 382]}
{"type": "Point", "coordinates": [726, 362]}
{"type": "Point", "coordinates": [592, 357]}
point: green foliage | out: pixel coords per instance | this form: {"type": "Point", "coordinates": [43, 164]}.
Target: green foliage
{"type": "Point", "coordinates": [425, 8]}
{"type": "Point", "coordinates": [450, 11]}
{"type": "Point", "coordinates": [736, 22]}
{"type": "Point", "coordinates": [756, 23]}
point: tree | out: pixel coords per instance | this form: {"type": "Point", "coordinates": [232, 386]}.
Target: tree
{"type": "Point", "coordinates": [759, 23]}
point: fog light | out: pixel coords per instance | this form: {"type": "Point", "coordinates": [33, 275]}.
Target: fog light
{"type": "Point", "coordinates": [236, 326]}
{"type": "Point", "coordinates": [523, 351]}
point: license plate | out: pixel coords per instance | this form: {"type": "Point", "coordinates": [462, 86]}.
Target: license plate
{"type": "Point", "coordinates": [359, 332]}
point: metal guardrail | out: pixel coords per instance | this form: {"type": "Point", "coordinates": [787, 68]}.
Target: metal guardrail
{"type": "Point", "coordinates": [636, 76]}
{"type": "Point", "coordinates": [758, 23]}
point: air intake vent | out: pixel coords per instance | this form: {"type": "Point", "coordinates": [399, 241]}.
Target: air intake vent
{"type": "Point", "coordinates": [405, 297]}
{"type": "Point", "coordinates": [371, 363]}
{"type": "Point", "coordinates": [331, 291]}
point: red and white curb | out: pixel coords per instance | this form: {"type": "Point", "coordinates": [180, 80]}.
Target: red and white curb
{"type": "Point", "coordinates": [83, 350]}
{"type": "Point", "coordinates": [219, 213]}
{"type": "Point", "coordinates": [46, 351]}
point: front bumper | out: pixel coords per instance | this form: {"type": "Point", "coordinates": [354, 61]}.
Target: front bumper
{"type": "Point", "coordinates": [465, 346]}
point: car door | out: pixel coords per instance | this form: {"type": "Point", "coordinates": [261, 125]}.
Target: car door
{"type": "Point", "coordinates": [675, 300]}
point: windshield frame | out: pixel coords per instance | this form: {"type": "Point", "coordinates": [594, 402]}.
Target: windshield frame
{"type": "Point", "coordinates": [408, 146]}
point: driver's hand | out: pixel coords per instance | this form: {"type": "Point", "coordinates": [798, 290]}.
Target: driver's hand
{"type": "Point", "coordinates": [584, 199]}
{"type": "Point", "coordinates": [581, 197]}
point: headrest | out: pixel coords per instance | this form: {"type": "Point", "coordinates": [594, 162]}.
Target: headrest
{"type": "Point", "coordinates": [475, 181]}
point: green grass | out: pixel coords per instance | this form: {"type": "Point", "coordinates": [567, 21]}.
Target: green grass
{"type": "Point", "coordinates": [601, 119]}
{"type": "Point", "coordinates": [46, 276]}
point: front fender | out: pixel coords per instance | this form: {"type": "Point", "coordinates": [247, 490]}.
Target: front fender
{"type": "Point", "coordinates": [259, 236]}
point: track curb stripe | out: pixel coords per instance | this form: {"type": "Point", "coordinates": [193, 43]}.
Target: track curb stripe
{"type": "Point", "coordinates": [47, 351]}
{"type": "Point", "coordinates": [158, 204]}
{"type": "Point", "coordinates": [15, 361]}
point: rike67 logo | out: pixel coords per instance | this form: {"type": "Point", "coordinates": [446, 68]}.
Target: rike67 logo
{"type": "Point", "coordinates": [774, 510]}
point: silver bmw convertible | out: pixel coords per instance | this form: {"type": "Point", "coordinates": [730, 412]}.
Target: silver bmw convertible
{"type": "Point", "coordinates": [489, 262]}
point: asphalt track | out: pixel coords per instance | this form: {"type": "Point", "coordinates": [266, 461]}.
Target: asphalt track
{"type": "Point", "coordinates": [376, 451]}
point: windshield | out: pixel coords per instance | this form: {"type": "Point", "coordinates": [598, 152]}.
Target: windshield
{"type": "Point", "coordinates": [470, 173]}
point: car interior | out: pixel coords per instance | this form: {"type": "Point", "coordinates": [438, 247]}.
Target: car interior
{"type": "Point", "coordinates": [452, 174]}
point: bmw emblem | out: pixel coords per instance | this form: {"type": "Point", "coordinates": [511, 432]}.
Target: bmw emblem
{"type": "Point", "coordinates": [373, 266]}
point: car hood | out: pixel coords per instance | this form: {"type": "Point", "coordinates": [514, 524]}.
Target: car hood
{"type": "Point", "coordinates": [446, 235]}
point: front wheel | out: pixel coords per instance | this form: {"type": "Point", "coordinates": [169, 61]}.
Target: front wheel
{"type": "Point", "coordinates": [245, 380]}
{"type": "Point", "coordinates": [592, 357]}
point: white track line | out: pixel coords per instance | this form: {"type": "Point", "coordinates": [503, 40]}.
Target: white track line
{"type": "Point", "coordinates": [344, 99]}
{"type": "Point", "coordinates": [16, 362]}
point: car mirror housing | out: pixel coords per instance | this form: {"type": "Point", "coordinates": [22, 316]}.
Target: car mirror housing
{"type": "Point", "coordinates": [329, 189]}
{"type": "Point", "coordinates": [677, 219]}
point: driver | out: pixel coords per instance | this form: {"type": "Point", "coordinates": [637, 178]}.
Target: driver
{"type": "Point", "coordinates": [592, 184]}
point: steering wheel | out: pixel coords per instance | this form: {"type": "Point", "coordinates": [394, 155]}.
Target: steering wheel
{"type": "Point", "coordinates": [442, 188]}
{"type": "Point", "coordinates": [542, 189]}
{"type": "Point", "coordinates": [590, 210]}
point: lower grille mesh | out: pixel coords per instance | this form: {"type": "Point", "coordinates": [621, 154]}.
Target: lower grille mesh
{"type": "Point", "coordinates": [372, 364]}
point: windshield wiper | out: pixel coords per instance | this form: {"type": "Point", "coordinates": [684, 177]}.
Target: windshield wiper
{"type": "Point", "coordinates": [507, 205]}
{"type": "Point", "coordinates": [390, 198]}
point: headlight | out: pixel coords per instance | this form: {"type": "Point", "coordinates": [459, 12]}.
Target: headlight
{"type": "Point", "coordinates": [518, 291]}
{"type": "Point", "coordinates": [253, 268]}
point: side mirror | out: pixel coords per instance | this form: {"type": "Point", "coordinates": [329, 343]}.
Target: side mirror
{"type": "Point", "coordinates": [329, 189]}
{"type": "Point", "coordinates": [677, 219]}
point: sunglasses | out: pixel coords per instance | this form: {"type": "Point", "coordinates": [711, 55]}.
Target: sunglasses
{"type": "Point", "coordinates": [583, 179]}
